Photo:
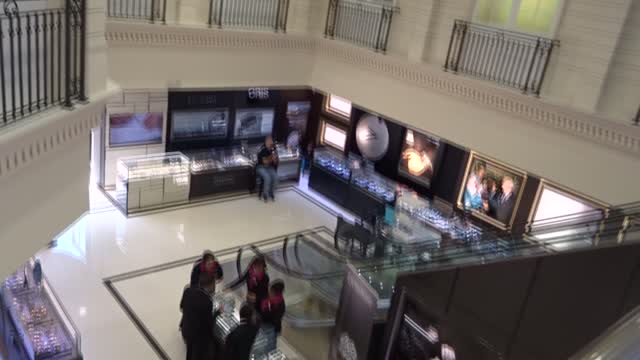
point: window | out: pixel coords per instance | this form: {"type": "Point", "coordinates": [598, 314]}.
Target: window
{"type": "Point", "coordinates": [530, 16]}
{"type": "Point", "coordinates": [333, 136]}
{"type": "Point", "coordinates": [339, 106]}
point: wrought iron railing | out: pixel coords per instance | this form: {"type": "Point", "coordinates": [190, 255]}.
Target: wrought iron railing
{"type": "Point", "coordinates": [42, 58]}
{"type": "Point", "coordinates": [147, 10]}
{"type": "Point", "coordinates": [249, 14]}
{"type": "Point", "coordinates": [508, 58]}
{"type": "Point", "coordinates": [364, 24]}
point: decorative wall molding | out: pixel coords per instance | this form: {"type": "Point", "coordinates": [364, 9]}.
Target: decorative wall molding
{"type": "Point", "coordinates": [590, 127]}
{"type": "Point", "coordinates": [32, 139]}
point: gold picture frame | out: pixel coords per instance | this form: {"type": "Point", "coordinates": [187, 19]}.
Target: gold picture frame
{"type": "Point", "coordinates": [518, 177]}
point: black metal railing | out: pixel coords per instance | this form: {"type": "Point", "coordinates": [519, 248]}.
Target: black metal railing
{"type": "Point", "coordinates": [147, 10]}
{"type": "Point", "coordinates": [249, 14]}
{"type": "Point", "coordinates": [363, 24]}
{"type": "Point", "coordinates": [42, 58]}
{"type": "Point", "coordinates": [511, 59]}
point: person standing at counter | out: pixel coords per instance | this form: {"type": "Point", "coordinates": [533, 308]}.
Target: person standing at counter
{"type": "Point", "coordinates": [207, 264]}
{"type": "Point", "coordinates": [240, 340]}
{"type": "Point", "coordinates": [257, 281]}
{"type": "Point", "coordinates": [271, 313]}
{"type": "Point", "coordinates": [198, 318]}
{"type": "Point", "coordinates": [267, 168]}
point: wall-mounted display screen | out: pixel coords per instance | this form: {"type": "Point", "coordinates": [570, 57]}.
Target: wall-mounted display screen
{"type": "Point", "coordinates": [333, 136]}
{"type": "Point", "coordinates": [297, 117]}
{"type": "Point", "coordinates": [491, 190]}
{"type": "Point", "coordinates": [419, 156]}
{"type": "Point", "coordinates": [135, 129]}
{"type": "Point", "coordinates": [200, 124]}
{"type": "Point", "coordinates": [253, 123]}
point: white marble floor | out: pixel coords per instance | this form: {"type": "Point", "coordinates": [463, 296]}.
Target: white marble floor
{"type": "Point", "coordinates": [104, 243]}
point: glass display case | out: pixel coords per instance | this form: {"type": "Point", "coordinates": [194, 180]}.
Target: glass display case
{"type": "Point", "coordinates": [330, 174]}
{"type": "Point", "coordinates": [216, 171]}
{"type": "Point", "coordinates": [229, 319]}
{"type": "Point", "coordinates": [152, 181]}
{"type": "Point", "coordinates": [34, 325]}
{"type": "Point", "coordinates": [374, 184]}
{"type": "Point", "coordinates": [289, 160]}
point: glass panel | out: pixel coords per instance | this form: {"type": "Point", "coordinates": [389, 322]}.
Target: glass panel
{"type": "Point", "coordinates": [494, 12]}
{"type": "Point", "coordinates": [536, 16]}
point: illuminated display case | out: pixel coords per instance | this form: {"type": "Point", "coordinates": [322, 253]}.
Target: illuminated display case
{"type": "Point", "coordinates": [33, 323]}
{"type": "Point", "coordinates": [330, 174]}
{"type": "Point", "coordinates": [152, 181]}
{"type": "Point", "coordinates": [370, 193]}
{"type": "Point", "coordinates": [216, 171]}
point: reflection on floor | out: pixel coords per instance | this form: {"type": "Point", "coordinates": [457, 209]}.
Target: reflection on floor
{"type": "Point", "coordinates": [104, 243]}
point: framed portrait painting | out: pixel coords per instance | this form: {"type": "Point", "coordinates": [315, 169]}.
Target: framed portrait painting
{"type": "Point", "coordinates": [491, 190]}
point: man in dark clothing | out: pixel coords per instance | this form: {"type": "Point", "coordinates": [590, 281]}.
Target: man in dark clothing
{"type": "Point", "coordinates": [240, 340]}
{"type": "Point", "coordinates": [198, 318]}
{"type": "Point", "coordinates": [267, 168]}
{"type": "Point", "coordinates": [207, 263]}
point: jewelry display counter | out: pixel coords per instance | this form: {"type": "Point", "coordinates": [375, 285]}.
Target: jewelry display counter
{"type": "Point", "coordinates": [33, 324]}
{"type": "Point", "coordinates": [219, 170]}
{"type": "Point", "coordinates": [152, 181]}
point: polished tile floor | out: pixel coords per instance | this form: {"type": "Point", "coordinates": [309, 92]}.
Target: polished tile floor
{"type": "Point", "coordinates": [104, 243]}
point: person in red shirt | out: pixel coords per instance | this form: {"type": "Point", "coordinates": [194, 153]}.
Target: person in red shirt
{"type": "Point", "coordinates": [209, 264]}
{"type": "Point", "coordinates": [257, 281]}
{"type": "Point", "coordinates": [271, 312]}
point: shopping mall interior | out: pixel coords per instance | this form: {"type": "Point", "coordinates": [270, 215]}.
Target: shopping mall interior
{"type": "Point", "coordinates": [320, 179]}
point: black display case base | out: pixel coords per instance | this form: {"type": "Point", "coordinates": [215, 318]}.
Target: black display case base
{"type": "Point", "coordinates": [329, 185]}
{"type": "Point", "coordinates": [217, 182]}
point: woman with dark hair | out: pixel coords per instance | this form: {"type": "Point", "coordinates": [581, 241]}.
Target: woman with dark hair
{"type": "Point", "coordinates": [257, 281]}
{"type": "Point", "coordinates": [207, 264]}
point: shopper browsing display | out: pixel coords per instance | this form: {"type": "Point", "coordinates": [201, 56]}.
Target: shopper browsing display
{"type": "Point", "coordinates": [271, 312]}
{"type": "Point", "coordinates": [240, 340]}
{"type": "Point", "coordinates": [267, 168]}
{"type": "Point", "coordinates": [198, 318]}
{"type": "Point", "coordinates": [257, 281]}
{"type": "Point", "coordinates": [207, 264]}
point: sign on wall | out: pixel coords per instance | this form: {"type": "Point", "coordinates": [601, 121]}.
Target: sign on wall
{"type": "Point", "coordinates": [372, 137]}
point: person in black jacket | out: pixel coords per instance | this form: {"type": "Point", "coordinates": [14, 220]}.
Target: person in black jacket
{"type": "Point", "coordinates": [198, 318]}
{"type": "Point", "coordinates": [271, 313]}
{"type": "Point", "coordinates": [240, 340]}
{"type": "Point", "coordinates": [257, 282]}
{"type": "Point", "coordinates": [208, 263]}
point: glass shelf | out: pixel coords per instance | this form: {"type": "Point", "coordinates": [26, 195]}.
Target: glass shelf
{"type": "Point", "coordinates": [218, 160]}
{"type": "Point", "coordinates": [374, 184]}
{"type": "Point", "coordinates": [333, 162]}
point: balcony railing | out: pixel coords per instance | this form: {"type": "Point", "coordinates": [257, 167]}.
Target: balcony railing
{"type": "Point", "coordinates": [364, 24]}
{"type": "Point", "coordinates": [42, 58]}
{"type": "Point", "coordinates": [249, 14]}
{"type": "Point", "coordinates": [511, 59]}
{"type": "Point", "coordinates": [147, 10]}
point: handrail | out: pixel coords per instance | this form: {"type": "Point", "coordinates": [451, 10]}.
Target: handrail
{"type": "Point", "coordinates": [510, 58]}
{"type": "Point", "coordinates": [42, 58]}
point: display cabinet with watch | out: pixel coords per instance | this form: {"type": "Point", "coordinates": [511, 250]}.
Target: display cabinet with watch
{"type": "Point", "coordinates": [216, 171]}
{"type": "Point", "coordinates": [34, 324]}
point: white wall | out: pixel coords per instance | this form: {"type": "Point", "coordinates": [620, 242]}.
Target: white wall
{"type": "Point", "coordinates": [621, 94]}
{"type": "Point", "coordinates": [192, 63]}
{"type": "Point", "coordinates": [41, 200]}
